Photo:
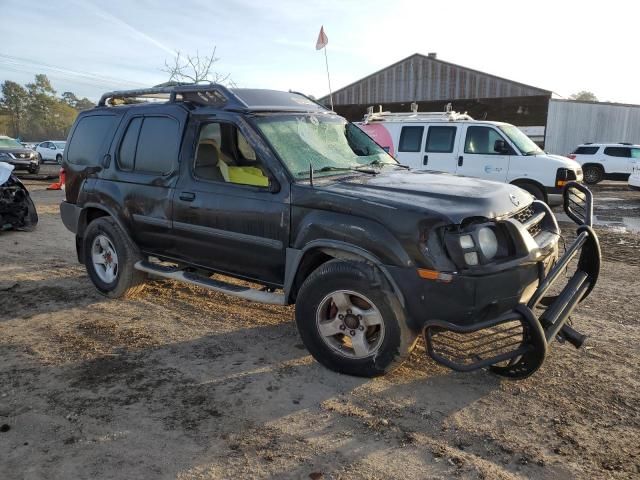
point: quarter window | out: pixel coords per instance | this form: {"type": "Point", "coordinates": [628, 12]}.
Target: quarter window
{"type": "Point", "coordinates": [158, 144]}
{"type": "Point", "coordinates": [481, 141]}
{"type": "Point", "coordinates": [411, 139]}
{"type": "Point", "coordinates": [618, 151]}
{"type": "Point", "coordinates": [440, 139]}
{"type": "Point", "coordinates": [88, 139]}
{"type": "Point", "coordinates": [586, 150]}
{"type": "Point", "coordinates": [635, 153]}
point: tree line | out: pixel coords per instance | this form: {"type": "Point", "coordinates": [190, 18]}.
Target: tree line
{"type": "Point", "coordinates": [34, 112]}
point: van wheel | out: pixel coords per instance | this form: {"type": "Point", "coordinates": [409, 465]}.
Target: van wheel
{"type": "Point", "coordinates": [350, 320]}
{"type": "Point", "coordinates": [592, 174]}
{"type": "Point", "coordinates": [109, 256]}
{"type": "Point", "coordinates": [533, 190]}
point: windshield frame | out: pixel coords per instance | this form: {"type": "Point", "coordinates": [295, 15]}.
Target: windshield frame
{"type": "Point", "coordinates": [299, 176]}
{"type": "Point", "coordinates": [505, 128]}
{"type": "Point", "coordinates": [60, 144]}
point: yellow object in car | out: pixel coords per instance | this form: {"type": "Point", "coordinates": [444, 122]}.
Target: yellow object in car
{"type": "Point", "coordinates": [243, 175]}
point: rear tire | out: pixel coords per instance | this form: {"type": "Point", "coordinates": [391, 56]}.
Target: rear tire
{"type": "Point", "coordinates": [59, 159]}
{"type": "Point", "coordinates": [592, 174]}
{"type": "Point", "coordinates": [371, 338]}
{"type": "Point", "coordinates": [109, 256]}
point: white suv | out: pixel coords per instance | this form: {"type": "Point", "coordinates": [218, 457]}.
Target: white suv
{"type": "Point", "coordinates": [51, 151]}
{"type": "Point", "coordinates": [634, 178]}
{"type": "Point", "coordinates": [456, 143]}
{"type": "Point", "coordinates": [611, 161]}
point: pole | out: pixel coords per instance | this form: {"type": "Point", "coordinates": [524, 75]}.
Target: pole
{"type": "Point", "coordinates": [328, 78]}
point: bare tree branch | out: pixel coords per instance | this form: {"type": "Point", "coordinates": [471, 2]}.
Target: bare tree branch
{"type": "Point", "coordinates": [195, 69]}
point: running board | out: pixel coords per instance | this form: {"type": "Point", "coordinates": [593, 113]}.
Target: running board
{"type": "Point", "coordinates": [174, 273]}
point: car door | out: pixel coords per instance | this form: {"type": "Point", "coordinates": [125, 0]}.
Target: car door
{"type": "Point", "coordinates": [477, 156]}
{"type": "Point", "coordinates": [142, 173]}
{"type": "Point", "coordinates": [439, 148]}
{"type": "Point", "coordinates": [231, 207]}
{"type": "Point", "coordinates": [410, 144]}
{"type": "Point", "coordinates": [617, 159]}
{"type": "Point", "coordinates": [44, 149]}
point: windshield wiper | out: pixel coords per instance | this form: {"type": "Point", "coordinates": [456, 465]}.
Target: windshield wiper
{"type": "Point", "coordinates": [329, 168]}
{"type": "Point", "coordinates": [379, 162]}
{"type": "Point", "coordinates": [533, 152]}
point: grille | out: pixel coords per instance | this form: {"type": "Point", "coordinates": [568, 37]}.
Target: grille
{"type": "Point", "coordinates": [524, 215]}
{"type": "Point", "coordinates": [468, 348]}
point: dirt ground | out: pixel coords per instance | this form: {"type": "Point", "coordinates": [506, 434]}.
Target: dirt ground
{"type": "Point", "coordinates": [183, 383]}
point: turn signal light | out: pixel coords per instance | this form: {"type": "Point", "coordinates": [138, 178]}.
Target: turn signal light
{"type": "Point", "coordinates": [434, 275]}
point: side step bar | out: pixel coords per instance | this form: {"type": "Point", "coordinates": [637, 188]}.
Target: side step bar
{"type": "Point", "coordinates": [246, 293]}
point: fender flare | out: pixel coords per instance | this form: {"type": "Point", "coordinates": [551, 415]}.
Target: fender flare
{"type": "Point", "coordinates": [531, 182]}
{"type": "Point", "coordinates": [82, 221]}
{"type": "Point", "coordinates": [335, 249]}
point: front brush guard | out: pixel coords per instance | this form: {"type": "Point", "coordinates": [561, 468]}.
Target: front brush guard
{"type": "Point", "coordinates": [486, 344]}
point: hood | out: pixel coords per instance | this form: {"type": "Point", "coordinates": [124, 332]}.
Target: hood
{"type": "Point", "coordinates": [559, 161]}
{"type": "Point", "coordinates": [450, 196]}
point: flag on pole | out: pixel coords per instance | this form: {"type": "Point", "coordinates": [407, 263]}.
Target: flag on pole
{"type": "Point", "coordinates": [322, 39]}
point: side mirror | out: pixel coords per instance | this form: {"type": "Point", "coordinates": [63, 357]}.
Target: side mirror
{"type": "Point", "coordinates": [52, 147]}
{"type": "Point", "coordinates": [274, 186]}
{"type": "Point", "coordinates": [500, 147]}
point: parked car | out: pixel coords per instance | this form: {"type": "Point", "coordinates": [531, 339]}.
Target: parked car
{"type": "Point", "coordinates": [12, 152]}
{"type": "Point", "coordinates": [634, 178]}
{"type": "Point", "coordinates": [273, 188]}
{"type": "Point", "coordinates": [456, 143]}
{"type": "Point", "coordinates": [51, 151]}
{"type": "Point", "coordinates": [606, 161]}
{"type": "Point", "coordinates": [17, 211]}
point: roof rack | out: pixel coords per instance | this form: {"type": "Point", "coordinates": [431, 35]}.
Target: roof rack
{"type": "Point", "coordinates": [203, 94]}
{"type": "Point", "coordinates": [447, 116]}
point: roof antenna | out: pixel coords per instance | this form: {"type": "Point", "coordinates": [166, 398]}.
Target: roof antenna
{"type": "Point", "coordinates": [311, 174]}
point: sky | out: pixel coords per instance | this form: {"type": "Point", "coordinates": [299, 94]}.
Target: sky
{"type": "Point", "coordinates": [90, 47]}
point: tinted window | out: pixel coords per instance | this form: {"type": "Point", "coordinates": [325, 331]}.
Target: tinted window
{"type": "Point", "coordinates": [586, 150]}
{"type": "Point", "coordinates": [127, 152]}
{"type": "Point", "coordinates": [410, 139]}
{"type": "Point", "coordinates": [440, 139]}
{"type": "Point", "coordinates": [480, 140]}
{"type": "Point", "coordinates": [88, 138]}
{"type": "Point", "coordinates": [618, 151]}
{"type": "Point", "coordinates": [158, 143]}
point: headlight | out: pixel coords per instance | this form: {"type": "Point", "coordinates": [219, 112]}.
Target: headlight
{"type": "Point", "coordinates": [4, 155]}
{"type": "Point", "coordinates": [488, 242]}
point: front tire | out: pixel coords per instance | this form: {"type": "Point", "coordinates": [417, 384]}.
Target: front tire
{"type": "Point", "coordinates": [534, 190]}
{"type": "Point", "coordinates": [351, 321]}
{"type": "Point", "coordinates": [34, 170]}
{"type": "Point", "coordinates": [110, 256]}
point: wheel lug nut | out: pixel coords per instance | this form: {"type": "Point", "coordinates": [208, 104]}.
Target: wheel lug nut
{"type": "Point", "coordinates": [349, 312]}
{"type": "Point", "coordinates": [361, 328]}
{"type": "Point", "coordinates": [352, 332]}
{"type": "Point", "coordinates": [359, 317]}
{"type": "Point", "coordinates": [342, 327]}
{"type": "Point", "coordinates": [341, 317]}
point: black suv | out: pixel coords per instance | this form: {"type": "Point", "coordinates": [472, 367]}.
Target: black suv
{"type": "Point", "coordinates": [273, 188]}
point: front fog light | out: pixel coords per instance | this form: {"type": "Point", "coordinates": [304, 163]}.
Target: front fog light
{"type": "Point", "coordinates": [488, 242]}
{"type": "Point", "coordinates": [471, 258]}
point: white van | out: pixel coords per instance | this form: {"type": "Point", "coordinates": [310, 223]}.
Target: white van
{"type": "Point", "coordinates": [456, 143]}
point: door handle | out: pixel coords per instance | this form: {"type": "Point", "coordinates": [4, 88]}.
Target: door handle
{"type": "Point", "coordinates": [425, 160]}
{"type": "Point", "coordinates": [460, 160]}
{"type": "Point", "coordinates": [188, 196]}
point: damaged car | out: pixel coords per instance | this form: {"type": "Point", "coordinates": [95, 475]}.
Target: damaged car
{"type": "Point", "coordinates": [17, 211]}
{"type": "Point", "coordinates": [272, 188]}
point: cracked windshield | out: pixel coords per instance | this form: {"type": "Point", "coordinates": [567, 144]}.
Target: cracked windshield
{"type": "Point", "coordinates": [328, 146]}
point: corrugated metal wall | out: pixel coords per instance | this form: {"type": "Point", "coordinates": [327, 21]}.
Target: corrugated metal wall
{"type": "Point", "coordinates": [422, 78]}
{"type": "Point", "coordinates": [570, 123]}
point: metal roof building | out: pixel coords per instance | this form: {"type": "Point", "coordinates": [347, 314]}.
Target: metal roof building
{"type": "Point", "coordinates": [426, 78]}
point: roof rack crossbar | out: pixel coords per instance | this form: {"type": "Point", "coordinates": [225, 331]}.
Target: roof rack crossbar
{"type": "Point", "coordinates": [448, 116]}
{"type": "Point", "coordinates": [172, 93]}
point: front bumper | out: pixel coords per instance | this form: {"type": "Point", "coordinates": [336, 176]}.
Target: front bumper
{"type": "Point", "coordinates": [514, 344]}
{"type": "Point", "coordinates": [23, 164]}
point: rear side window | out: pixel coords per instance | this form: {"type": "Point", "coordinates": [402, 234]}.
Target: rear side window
{"type": "Point", "coordinates": [618, 151]}
{"type": "Point", "coordinates": [411, 139]}
{"type": "Point", "coordinates": [127, 152]}
{"type": "Point", "coordinates": [157, 145]}
{"type": "Point", "coordinates": [150, 145]}
{"type": "Point", "coordinates": [586, 150]}
{"type": "Point", "coordinates": [88, 139]}
{"type": "Point", "coordinates": [635, 153]}
{"type": "Point", "coordinates": [440, 139]}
